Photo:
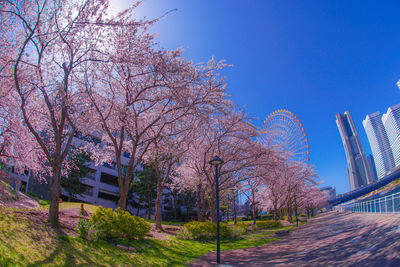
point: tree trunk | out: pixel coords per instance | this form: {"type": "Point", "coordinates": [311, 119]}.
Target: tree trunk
{"type": "Point", "coordinates": [253, 206]}
{"type": "Point", "coordinates": [149, 202]}
{"type": "Point", "coordinates": [158, 205]}
{"type": "Point", "coordinates": [213, 209]}
{"type": "Point", "coordinates": [175, 205]}
{"type": "Point", "coordinates": [234, 210]}
{"type": "Point", "coordinates": [203, 207]}
{"type": "Point", "coordinates": [55, 189]}
{"type": "Point", "coordinates": [289, 214]}
{"type": "Point", "coordinates": [254, 214]}
{"type": "Point", "coordinates": [122, 200]}
{"type": "Point", "coordinates": [198, 203]}
{"type": "Point", "coordinates": [276, 212]}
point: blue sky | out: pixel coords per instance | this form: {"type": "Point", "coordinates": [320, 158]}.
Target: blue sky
{"type": "Point", "coordinates": [314, 58]}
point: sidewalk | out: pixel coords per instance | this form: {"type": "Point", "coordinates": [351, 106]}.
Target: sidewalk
{"type": "Point", "coordinates": [331, 239]}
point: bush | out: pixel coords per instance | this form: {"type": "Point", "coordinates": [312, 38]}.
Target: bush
{"type": "Point", "coordinates": [239, 229]}
{"type": "Point", "coordinates": [107, 224]}
{"type": "Point", "coordinates": [207, 230]}
{"type": "Point", "coordinates": [83, 228]}
{"type": "Point", "coordinates": [201, 230]}
{"type": "Point", "coordinates": [224, 230]}
{"type": "Point", "coordinates": [302, 215]}
{"type": "Point", "coordinates": [268, 224]}
{"type": "Point", "coordinates": [293, 218]}
{"type": "Point", "coordinates": [44, 202]}
{"type": "Point", "coordinates": [184, 234]}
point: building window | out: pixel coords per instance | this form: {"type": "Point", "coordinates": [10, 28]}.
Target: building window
{"type": "Point", "coordinates": [110, 166]}
{"type": "Point", "coordinates": [91, 175]}
{"type": "Point", "coordinates": [109, 179]}
{"type": "Point", "coordinates": [106, 196]}
{"type": "Point", "coordinates": [87, 190]}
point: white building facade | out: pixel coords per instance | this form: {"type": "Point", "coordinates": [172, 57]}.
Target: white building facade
{"type": "Point", "coordinates": [391, 122]}
{"type": "Point", "coordinates": [379, 142]}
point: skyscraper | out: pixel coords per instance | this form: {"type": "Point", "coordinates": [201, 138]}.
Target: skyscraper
{"type": "Point", "coordinates": [358, 168]}
{"type": "Point", "coordinates": [372, 165]}
{"type": "Point", "coordinates": [379, 143]}
{"type": "Point", "coordinates": [391, 122]}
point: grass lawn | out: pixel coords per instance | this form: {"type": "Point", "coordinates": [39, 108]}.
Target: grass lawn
{"type": "Point", "coordinates": [71, 205]}
{"type": "Point", "coordinates": [165, 222]}
{"type": "Point", "coordinates": [25, 241]}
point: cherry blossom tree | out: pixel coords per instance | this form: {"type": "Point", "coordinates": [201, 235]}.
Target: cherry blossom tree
{"type": "Point", "coordinates": [136, 91]}
{"type": "Point", "coordinates": [313, 199]}
{"type": "Point", "coordinates": [166, 151]}
{"type": "Point", "coordinates": [252, 185]}
{"type": "Point", "coordinates": [228, 134]}
{"type": "Point", "coordinates": [284, 183]}
{"type": "Point", "coordinates": [49, 43]}
{"type": "Point", "coordinates": [16, 146]}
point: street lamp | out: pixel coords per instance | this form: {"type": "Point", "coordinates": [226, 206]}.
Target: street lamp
{"type": "Point", "coordinates": [295, 205]}
{"type": "Point", "coordinates": [216, 161]}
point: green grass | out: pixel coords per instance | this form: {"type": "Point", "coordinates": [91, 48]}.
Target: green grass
{"type": "Point", "coordinates": [6, 191]}
{"type": "Point", "coordinates": [69, 206]}
{"type": "Point", "coordinates": [29, 241]}
{"type": "Point", "coordinates": [165, 222]}
{"type": "Point", "coordinates": [265, 218]}
{"type": "Point", "coordinates": [245, 221]}
{"type": "Point", "coordinates": [77, 205]}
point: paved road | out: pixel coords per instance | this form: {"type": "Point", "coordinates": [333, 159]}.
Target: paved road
{"type": "Point", "coordinates": [331, 239]}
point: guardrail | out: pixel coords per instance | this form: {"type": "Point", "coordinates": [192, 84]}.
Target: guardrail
{"type": "Point", "coordinates": [366, 189]}
{"type": "Point", "coordinates": [386, 204]}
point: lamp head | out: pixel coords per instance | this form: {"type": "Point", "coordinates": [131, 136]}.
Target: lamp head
{"type": "Point", "coordinates": [216, 161]}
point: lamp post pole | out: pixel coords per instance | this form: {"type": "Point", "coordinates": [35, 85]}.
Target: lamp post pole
{"type": "Point", "coordinates": [217, 200]}
{"type": "Point", "coordinates": [216, 161]}
{"type": "Point", "coordinates": [295, 205]}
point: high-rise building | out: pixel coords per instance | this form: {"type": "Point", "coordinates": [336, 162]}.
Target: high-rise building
{"type": "Point", "coordinates": [379, 143]}
{"type": "Point", "coordinates": [372, 165]}
{"type": "Point", "coordinates": [358, 169]}
{"type": "Point", "coordinates": [391, 122]}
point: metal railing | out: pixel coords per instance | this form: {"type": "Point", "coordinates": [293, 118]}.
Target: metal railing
{"type": "Point", "coordinates": [386, 204]}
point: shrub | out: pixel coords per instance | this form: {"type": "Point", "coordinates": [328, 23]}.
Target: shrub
{"type": "Point", "coordinates": [184, 234]}
{"type": "Point", "coordinates": [293, 218]}
{"type": "Point", "coordinates": [239, 229]}
{"type": "Point", "coordinates": [201, 230]}
{"type": "Point", "coordinates": [207, 230]}
{"type": "Point", "coordinates": [44, 202]}
{"type": "Point", "coordinates": [107, 224]}
{"type": "Point", "coordinates": [224, 230]}
{"type": "Point", "coordinates": [268, 224]}
{"type": "Point", "coordinates": [302, 215]}
{"type": "Point", "coordinates": [83, 228]}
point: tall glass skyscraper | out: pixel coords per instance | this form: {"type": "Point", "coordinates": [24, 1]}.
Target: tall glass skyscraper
{"type": "Point", "coordinates": [372, 165]}
{"type": "Point", "coordinates": [358, 169]}
{"type": "Point", "coordinates": [379, 142]}
{"type": "Point", "coordinates": [391, 122]}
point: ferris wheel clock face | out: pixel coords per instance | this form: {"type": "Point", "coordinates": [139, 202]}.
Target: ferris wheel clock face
{"type": "Point", "coordinates": [283, 131]}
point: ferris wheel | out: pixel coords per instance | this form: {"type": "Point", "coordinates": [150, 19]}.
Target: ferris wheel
{"type": "Point", "coordinates": [283, 131]}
